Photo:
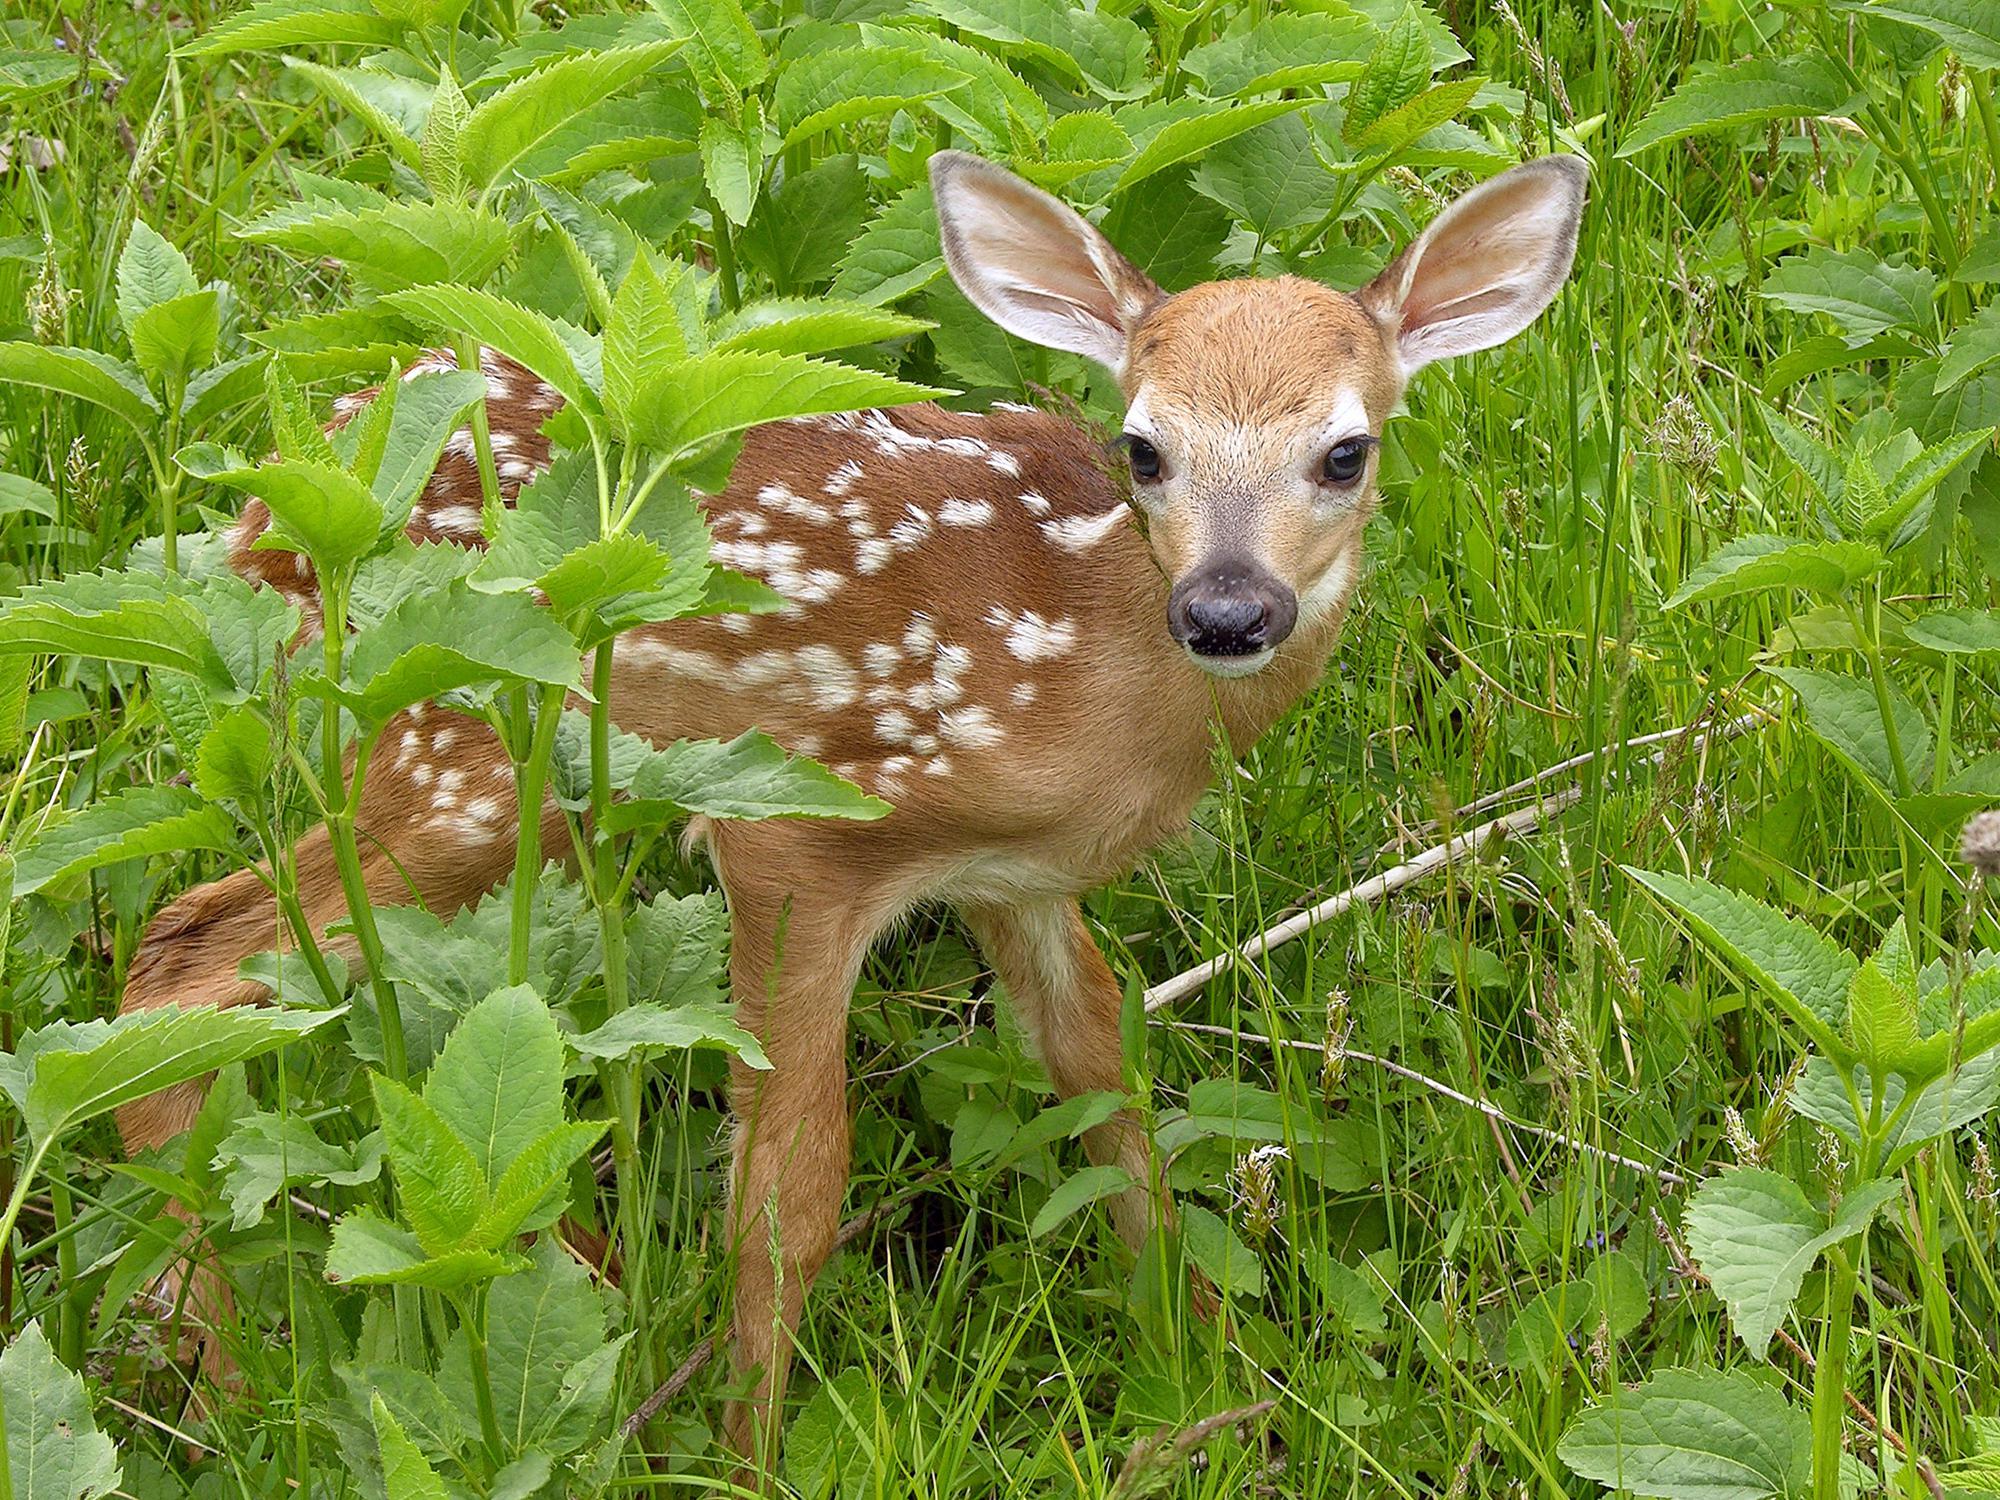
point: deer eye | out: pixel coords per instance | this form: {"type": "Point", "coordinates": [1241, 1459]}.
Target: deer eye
{"type": "Point", "coordinates": [1345, 461]}
{"type": "Point", "coordinates": [1144, 458]}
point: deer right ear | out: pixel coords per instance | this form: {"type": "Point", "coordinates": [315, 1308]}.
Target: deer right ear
{"type": "Point", "coordinates": [1033, 264]}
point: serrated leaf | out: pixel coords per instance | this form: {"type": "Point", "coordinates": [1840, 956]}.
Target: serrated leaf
{"type": "Point", "coordinates": [732, 161]}
{"type": "Point", "coordinates": [54, 1450]}
{"type": "Point", "coordinates": [1396, 72]}
{"type": "Point", "coordinates": [67, 1072]}
{"type": "Point", "coordinates": [528, 1194]}
{"type": "Point", "coordinates": [1844, 712]}
{"type": "Point", "coordinates": [528, 338]}
{"type": "Point", "coordinates": [455, 637]}
{"type": "Point", "coordinates": [131, 824]}
{"type": "Point", "coordinates": [747, 777]}
{"type": "Point", "coordinates": [1077, 1191]}
{"type": "Point", "coordinates": [84, 374]}
{"type": "Point", "coordinates": [440, 151]}
{"type": "Point", "coordinates": [1974, 346]}
{"type": "Point", "coordinates": [540, 1325]}
{"type": "Point", "coordinates": [150, 271]}
{"type": "Point", "coordinates": [406, 1473]}
{"type": "Point", "coordinates": [316, 508]}
{"type": "Point", "coordinates": [1746, 92]}
{"type": "Point", "coordinates": [1881, 1019]}
{"type": "Point", "coordinates": [507, 125]}
{"type": "Point", "coordinates": [722, 44]}
{"type": "Point", "coordinates": [810, 325]}
{"type": "Point", "coordinates": [1958, 632]}
{"type": "Point", "coordinates": [1971, 28]}
{"type": "Point", "coordinates": [643, 331]}
{"type": "Point", "coordinates": [368, 1250]}
{"type": "Point", "coordinates": [1694, 1435]}
{"type": "Point", "coordinates": [498, 1081]}
{"type": "Point", "coordinates": [125, 617]}
{"type": "Point", "coordinates": [1748, 563]}
{"type": "Point", "coordinates": [173, 339]}
{"type": "Point", "coordinates": [1284, 50]}
{"type": "Point", "coordinates": [648, 1027]}
{"type": "Point", "coordinates": [1194, 135]}
{"type": "Point", "coordinates": [1223, 1258]}
{"type": "Point", "coordinates": [1403, 125]}
{"type": "Point", "coordinates": [394, 245]}
{"type": "Point", "coordinates": [833, 89]}
{"type": "Point", "coordinates": [265, 1154]}
{"type": "Point", "coordinates": [1863, 295]}
{"type": "Point", "coordinates": [1755, 1236]}
{"type": "Point", "coordinates": [897, 254]}
{"type": "Point", "coordinates": [443, 1192]}
{"type": "Point", "coordinates": [428, 410]}
{"type": "Point", "coordinates": [394, 107]}
{"type": "Point", "coordinates": [1805, 974]}
{"type": "Point", "coordinates": [1903, 511]}
{"type": "Point", "coordinates": [274, 24]}
{"type": "Point", "coordinates": [1103, 50]}
{"type": "Point", "coordinates": [1271, 178]}
{"type": "Point", "coordinates": [682, 406]}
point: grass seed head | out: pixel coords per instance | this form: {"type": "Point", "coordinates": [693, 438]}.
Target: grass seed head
{"type": "Point", "coordinates": [1985, 1189]}
{"type": "Point", "coordinates": [1979, 846]}
{"type": "Point", "coordinates": [1748, 1152]}
{"type": "Point", "coordinates": [1256, 1178]}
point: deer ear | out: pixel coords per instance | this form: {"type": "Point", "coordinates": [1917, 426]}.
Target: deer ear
{"type": "Point", "coordinates": [1033, 265]}
{"type": "Point", "coordinates": [1487, 266]}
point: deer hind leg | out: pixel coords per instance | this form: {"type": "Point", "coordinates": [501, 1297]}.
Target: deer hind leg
{"type": "Point", "coordinates": [1069, 1003]}
{"type": "Point", "coordinates": [798, 938]}
{"type": "Point", "coordinates": [436, 823]}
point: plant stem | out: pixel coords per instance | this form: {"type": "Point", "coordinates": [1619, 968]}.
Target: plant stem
{"type": "Point", "coordinates": [474, 1317]}
{"type": "Point", "coordinates": [467, 351]}
{"type": "Point", "coordinates": [530, 782]}
{"type": "Point", "coordinates": [1829, 1396]}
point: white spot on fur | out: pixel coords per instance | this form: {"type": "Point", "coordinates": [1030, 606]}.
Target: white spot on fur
{"type": "Point", "coordinates": [1023, 694]}
{"type": "Point", "coordinates": [880, 659]}
{"type": "Point", "coordinates": [1078, 533]}
{"type": "Point", "coordinates": [1037, 503]}
{"type": "Point", "coordinates": [956, 512]}
{"type": "Point", "coordinates": [971, 728]}
{"type": "Point", "coordinates": [873, 555]}
{"type": "Point", "coordinates": [939, 766]}
{"type": "Point", "coordinates": [842, 479]}
{"type": "Point", "coordinates": [1029, 636]}
{"type": "Point", "coordinates": [894, 727]}
{"type": "Point", "coordinates": [829, 677]}
{"type": "Point", "coordinates": [919, 636]}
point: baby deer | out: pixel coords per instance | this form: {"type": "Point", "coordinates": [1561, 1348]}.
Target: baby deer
{"type": "Point", "coordinates": [1026, 650]}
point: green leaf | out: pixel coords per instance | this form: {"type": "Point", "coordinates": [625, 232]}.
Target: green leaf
{"type": "Point", "coordinates": [406, 1473]}
{"type": "Point", "coordinates": [316, 508]}
{"type": "Point", "coordinates": [1844, 713]}
{"type": "Point", "coordinates": [796, 237]}
{"type": "Point", "coordinates": [171, 340]}
{"type": "Point", "coordinates": [1397, 70]}
{"type": "Point", "coordinates": [132, 824]}
{"type": "Point", "coordinates": [1958, 632]}
{"type": "Point", "coordinates": [454, 637]}
{"type": "Point", "coordinates": [271, 25]}
{"type": "Point", "coordinates": [747, 777]}
{"type": "Point", "coordinates": [390, 245]}
{"type": "Point", "coordinates": [723, 46]}
{"type": "Point", "coordinates": [1747, 92]}
{"type": "Point", "coordinates": [84, 374]}
{"type": "Point", "coordinates": [1902, 513]}
{"type": "Point", "coordinates": [529, 1194]}
{"type": "Point", "coordinates": [648, 1027]}
{"type": "Point", "coordinates": [1402, 126]}
{"type": "Point", "coordinates": [136, 618]}
{"type": "Point", "coordinates": [266, 1154]}
{"type": "Point", "coordinates": [367, 1250]}
{"type": "Point", "coordinates": [442, 1189]}
{"type": "Point", "coordinates": [21, 495]}
{"type": "Point", "coordinates": [1748, 563]}
{"type": "Point", "coordinates": [1947, 1102]}
{"type": "Point", "coordinates": [151, 271]}
{"type": "Point", "coordinates": [526, 337]}
{"type": "Point", "coordinates": [1755, 1236]}
{"type": "Point", "coordinates": [644, 330]}
{"type": "Point", "coordinates": [394, 107]}
{"type": "Point", "coordinates": [897, 254]}
{"type": "Point", "coordinates": [1864, 296]}
{"type": "Point", "coordinates": [1285, 50]}
{"type": "Point", "coordinates": [1078, 1191]}
{"type": "Point", "coordinates": [1806, 975]}
{"type": "Point", "coordinates": [507, 125]}
{"type": "Point", "coordinates": [1695, 1435]}
{"type": "Point", "coordinates": [1060, 1122]}
{"type": "Point", "coordinates": [67, 1072]}
{"type": "Point", "coordinates": [681, 406]}
{"type": "Point", "coordinates": [1974, 346]}
{"type": "Point", "coordinates": [1882, 1018]}
{"type": "Point", "coordinates": [810, 325]}
{"type": "Point", "coordinates": [674, 951]}
{"type": "Point", "coordinates": [1194, 135]}
{"type": "Point", "coordinates": [428, 410]}
{"type": "Point", "coordinates": [498, 1082]}
{"type": "Point", "coordinates": [831, 90]}
{"type": "Point", "coordinates": [1971, 28]}
{"type": "Point", "coordinates": [1223, 1258]}
{"type": "Point", "coordinates": [1271, 178]}
{"type": "Point", "coordinates": [1106, 51]}
{"type": "Point", "coordinates": [54, 1450]}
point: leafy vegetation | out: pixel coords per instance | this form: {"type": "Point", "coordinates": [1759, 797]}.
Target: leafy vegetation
{"type": "Point", "coordinates": [1650, 1150]}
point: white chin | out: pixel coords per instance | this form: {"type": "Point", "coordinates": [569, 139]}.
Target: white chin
{"type": "Point", "coordinates": [1231, 666]}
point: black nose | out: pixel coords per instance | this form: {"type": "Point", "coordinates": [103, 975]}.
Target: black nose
{"type": "Point", "coordinates": [1230, 607]}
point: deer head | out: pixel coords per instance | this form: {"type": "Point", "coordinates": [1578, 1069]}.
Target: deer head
{"type": "Point", "coordinates": [1254, 408]}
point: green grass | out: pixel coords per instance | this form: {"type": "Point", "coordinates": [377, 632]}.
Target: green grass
{"type": "Point", "coordinates": [1541, 504]}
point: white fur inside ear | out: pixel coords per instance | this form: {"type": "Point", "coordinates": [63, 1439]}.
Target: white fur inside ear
{"type": "Point", "coordinates": [1488, 265]}
{"type": "Point", "coordinates": [1032, 264]}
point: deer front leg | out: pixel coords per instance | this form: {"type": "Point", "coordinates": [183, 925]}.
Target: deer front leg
{"type": "Point", "coordinates": [795, 954]}
{"type": "Point", "coordinates": [1069, 1002]}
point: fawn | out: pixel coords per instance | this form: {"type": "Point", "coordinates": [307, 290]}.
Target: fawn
{"type": "Point", "coordinates": [1030, 653]}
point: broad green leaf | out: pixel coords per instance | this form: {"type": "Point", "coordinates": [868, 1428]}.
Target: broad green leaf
{"type": "Point", "coordinates": [674, 951]}
{"type": "Point", "coordinates": [265, 1154]}
{"type": "Point", "coordinates": [428, 410]}
{"type": "Point", "coordinates": [1078, 144]}
{"type": "Point", "coordinates": [1079, 1190]}
{"type": "Point", "coordinates": [1958, 632]}
{"type": "Point", "coordinates": [1881, 1019]}
{"type": "Point", "coordinates": [723, 47]}
{"type": "Point", "coordinates": [150, 271]}
{"type": "Point", "coordinates": [1612, 1295]}
{"type": "Point", "coordinates": [406, 1473]}
{"type": "Point", "coordinates": [84, 374]}
{"type": "Point", "coordinates": [1397, 70]}
{"type": "Point", "coordinates": [897, 254]}
{"type": "Point", "coordinates": [644, 330]}
{"type": "Point", "coordinates": [131, 824]}
{"type": "Point", "coordinates": [1748, 563]}
{"type": "Point", "coordinates": [271, 25]}
{"type": "Point", "coordinates": [1974, 346]}
{"type": "Point", "coordinates": [1971, 28]}
{"type": "Point", "coordinates": [1223, 1258]}
{"type": "Point", "coordinates": [1403, 125]}
{"type": "Point", "coordinates": [1694, 1435]}
{"type": "Point", "coordinates": [1982, 260]}
{"type": "Point", "coordinates": [1903, 512]}
{"type": "Point", "coordinates": [747, 777]}
{"type": "Point", "coordinates": [529, 1194]}
{"type": "Point", "coordinates": [1803, 973]}
{"type": "Point", "coordinates": [1195, 135]}
{"type": "Point", "coordinates": [172, 339]}
{"type": "Point", "coordinates": [599, 574]}
{"type": "Point", "coordinates": [1863, 295]}
{"type": "Point", "coordinates": [1060, 1122]}
{"type": "Point", "coordinates": [54, 1450]}
{"type": "Point", "coordinates": [1747, 92]}
{"type": "Point", "coordinates": [681, 406]}
{"type": "Point", "coordinates": [1106, 51]}
{"type": "Point", "coordinates": [67, 1072]}
{"type": "Point", "coordinates": [1755, 1236]}
{"type": "Point", "coordinates": [394, 107]}
{"type": "Point", "coordinates": [125, 617]}
{"type": "Point", "coordinates": [992, 108]}
{"type": "Point", "coordinates": [1844, 712]}
{"type": "Point", "coordinates": [391, 245]}
{"type": "Point", "coordinates": [21, 495]}
{"type": "Point", "coordinates": [1946, 1103]}
{"type": "Point", "coordinates": [797, 235]}
{"type": "Point", "coordinates": [810, 325]}
{"type": "Point", "coordinates": [455, 637]}
{"type": "Point", "coordinates": [648, 1027]}
{"type": "Point", "coordinates": [1271, 178]}
{"type": "Point", "coordinates": [498, 1082]}
{"type": "Point", "coordinates": [831, 90]}
{"type": "Point", "coordinates": [1285, 50]}
{"type": "Point", "coordinates": [528, 338]}
{"type": "Point", "coordinates": [368, 1250]}
{"type": "Point", "coordinates": [507, 125]}
{"type": "Point", "coordinates": [442, 1189]}
{"type": "Point", "coordinates": [316, 508]}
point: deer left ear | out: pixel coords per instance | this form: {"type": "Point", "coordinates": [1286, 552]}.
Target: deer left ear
{"type": "Point", "coordinates": [1487, 266]}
